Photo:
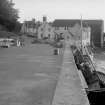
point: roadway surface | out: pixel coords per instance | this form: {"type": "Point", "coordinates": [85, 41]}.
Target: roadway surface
{"type": "Point", "coordinates": [28, 75]}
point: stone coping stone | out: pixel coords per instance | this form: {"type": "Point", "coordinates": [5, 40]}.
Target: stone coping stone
{"type": "Point", "coordinates": [69, 90]}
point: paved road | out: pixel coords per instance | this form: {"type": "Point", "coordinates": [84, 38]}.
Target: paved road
{"type": "Point", "coordinates": [28, 75]}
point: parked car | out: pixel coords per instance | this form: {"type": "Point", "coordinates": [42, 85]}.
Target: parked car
{"type": "Point", "coordinates": [6, 42]}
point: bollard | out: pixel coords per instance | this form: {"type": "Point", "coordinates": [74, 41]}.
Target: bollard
{"type": "Point", "coordinates": [56, 51]}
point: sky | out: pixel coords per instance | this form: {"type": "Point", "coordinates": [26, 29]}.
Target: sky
{"type": "Point", "coordinates": [60, 9]}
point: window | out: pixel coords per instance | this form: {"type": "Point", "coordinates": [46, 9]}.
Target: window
{"type": "Point", "coordinates": [56, 28]}
{"type": "Point", "coordinates": [41, 35]}
{"type": "Point", "coordinates": [49, 36]}
{"type": "Point", "coordinates": [41, 29]}
{"type": "Point", "coordinates": [49, 29]}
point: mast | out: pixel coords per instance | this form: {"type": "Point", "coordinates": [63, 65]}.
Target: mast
{"type": "Point", "coordinates": [81, 32]}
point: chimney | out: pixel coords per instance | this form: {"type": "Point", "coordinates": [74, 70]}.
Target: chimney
{"type": "Point", "coordinates": [33, 20]}
{"type": "Point", "coordinates": [44, 19]}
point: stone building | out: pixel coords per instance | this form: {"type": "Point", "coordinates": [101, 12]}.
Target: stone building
{"type": "Point", "coordinates": [73, 26]}
{"type": "Point", "coordinates": [45, 30]}
{"type": "Point", "coordinates": [29, 27]}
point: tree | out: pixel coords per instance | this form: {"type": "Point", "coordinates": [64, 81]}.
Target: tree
{"type": "Point", "coordinates": [8, 14]}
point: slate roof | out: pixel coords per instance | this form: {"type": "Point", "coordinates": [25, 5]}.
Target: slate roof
{"type": "Point", "coordinates": [72, 22]}
{"type": "Point", "coordinates": [64, 22]}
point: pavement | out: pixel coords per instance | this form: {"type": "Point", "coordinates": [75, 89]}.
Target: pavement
{"type": "Point", "coordinates": [28, 75]}
{"type": "Point", "coordinates": [69, 89]}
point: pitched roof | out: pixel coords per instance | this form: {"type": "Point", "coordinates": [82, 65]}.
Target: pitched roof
{"type": "Point", "coordinates": [30, 24]}
{"type": "Point", "coordinates": [64, 22]}
{"type": "Point", "coordinates": [72, 22]}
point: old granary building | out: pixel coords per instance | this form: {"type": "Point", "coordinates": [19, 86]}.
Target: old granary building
{"type": "Point", "coordinates": [95, 27]}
